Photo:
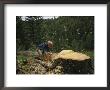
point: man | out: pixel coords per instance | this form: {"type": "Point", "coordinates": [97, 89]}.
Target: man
{"type": "Point", "coordinates": [44, 50]}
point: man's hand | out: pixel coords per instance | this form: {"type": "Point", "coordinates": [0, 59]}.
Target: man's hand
{"type": "Point", "coordinates": [48, 56]}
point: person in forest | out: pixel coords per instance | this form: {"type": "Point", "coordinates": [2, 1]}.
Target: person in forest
{"type": "Point", "coordinates": [44, 50]}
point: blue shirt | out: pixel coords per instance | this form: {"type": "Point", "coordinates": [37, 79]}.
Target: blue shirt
{"type": "Point", "coordinates": [44, 47]}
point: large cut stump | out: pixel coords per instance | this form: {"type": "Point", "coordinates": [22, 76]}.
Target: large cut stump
{"type": "Point", "coordinates": [69, 54]}
{"type": "Point", "coordinates": [73, 62]}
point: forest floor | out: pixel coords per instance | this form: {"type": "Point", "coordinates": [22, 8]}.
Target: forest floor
{"type": "Point", "coordinates": [28, 63]}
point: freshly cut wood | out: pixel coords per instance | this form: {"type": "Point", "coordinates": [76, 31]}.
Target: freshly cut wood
{"type": "Point", "coordinates": [71, 55]}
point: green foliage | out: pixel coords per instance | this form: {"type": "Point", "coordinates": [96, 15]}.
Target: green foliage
{"type": "Point", "coordinates": [89, 53]}
{"type": "Point", "coordinates": [21, 59]}
{"type": "Point", "coordinates": [66, 32]}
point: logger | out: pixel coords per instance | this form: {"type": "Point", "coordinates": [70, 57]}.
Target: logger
{"type": "Point", "coordinates": [44, 50]}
